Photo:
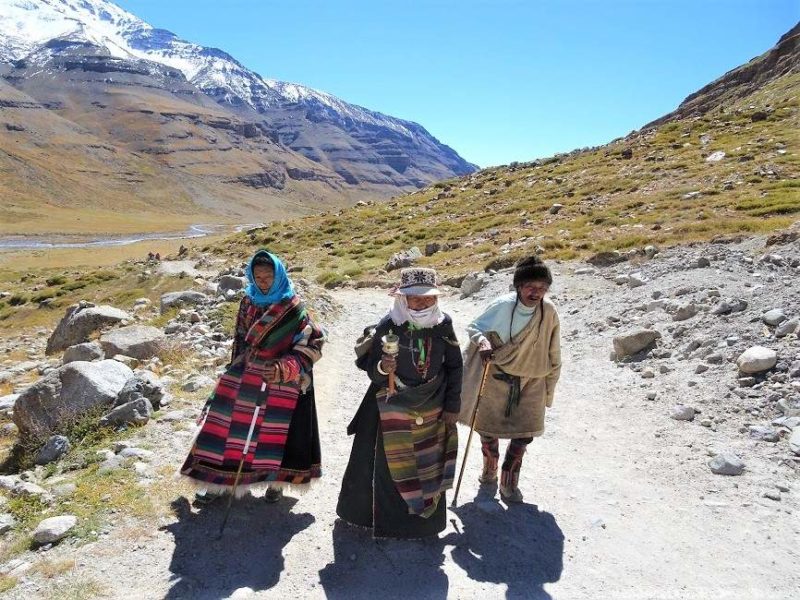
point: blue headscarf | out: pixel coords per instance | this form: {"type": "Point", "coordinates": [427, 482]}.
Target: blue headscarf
{"type": "Point", "coordinates": [282, 288]}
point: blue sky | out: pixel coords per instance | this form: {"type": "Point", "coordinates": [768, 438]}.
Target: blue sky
{"type": "Point", "coordinates": [498, 80]}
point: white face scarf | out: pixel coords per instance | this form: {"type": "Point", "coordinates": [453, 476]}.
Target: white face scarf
{"type": "Point", "coordinates": [428, 317]}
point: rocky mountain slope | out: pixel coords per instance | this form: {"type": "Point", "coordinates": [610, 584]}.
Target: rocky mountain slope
{"type": "Point", "coordinates": [186, 121]}
{"type": "Point", "coordinates": [697, 174]}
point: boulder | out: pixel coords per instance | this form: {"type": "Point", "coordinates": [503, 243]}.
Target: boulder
{"type": "Point", "coordinates": [87, 351]}
{"type": "Point", "coordinates": [7, 522]}
{"type": "Point", "coordinates": [685, 311]}
{"type": "Point", "coordinates": [432, 248]}
{"type": "Point", "coordinates": [54, 529]}
{"type": "Point", "coordinates": [80, 321]}
{"type": "Point", "coordinates": [794, 442]}
{"type": "Point", "coordinates": [472, 283]}
{"type": "Point", "coordinates": [726, 463]}
{"type": "Point", "coordinates": [197, 382]}
{"type": "Point", "coordinates": [728, 306]}
{"type": "Point", "coordinates": [231, 282]}
{"type": "Point", "coordinates": [764, 433]}
{"type": "Point", "coordinates": [143, 385]}
{"type": "Point", "coordinates": [787, 327]}
{"type": "Point", "coordinates": [757, 360]}
{"type": "Point", "coordinates": [68, 392]}
{"type": "Point", "coordinates": [135, 412]}
{"type": "Point", "coordinates": [401, 260]}
{"type": "Point", "coordinates": [137, 341]}
{"type": "Point", "coordinates": [681, 412]}
{"type": "Point", "coordinates": [606, 259]}
{"type": "Point", "coordinates": [54, 448]}
{"type": "Point", "coordinates": [181, 298]}
{"type": "Point", "coordinates": [629, 344]}
{"type": "Point", "coordinates": [773, 317]}
{"type": "Point", "coordinates": [7, 403]}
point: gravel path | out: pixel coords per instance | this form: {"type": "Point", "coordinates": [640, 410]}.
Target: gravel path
{"type": "Point", "coordinates": [619, 500]}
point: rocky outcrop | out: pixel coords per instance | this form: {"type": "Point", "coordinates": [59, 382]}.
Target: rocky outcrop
{"type": "Point", "coordinates": [137, 341]}
{"type": "Point", "coordinates": [80, 321]}
{"type": "Point", "coordinates": [68, 392]}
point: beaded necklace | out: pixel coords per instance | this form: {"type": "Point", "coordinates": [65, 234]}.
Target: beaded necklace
{"type": "Point", "coordinates": [422, 361]}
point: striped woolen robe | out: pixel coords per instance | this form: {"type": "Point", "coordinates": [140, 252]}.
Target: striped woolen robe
{"type": "Point", "coordinates": [284, 447]}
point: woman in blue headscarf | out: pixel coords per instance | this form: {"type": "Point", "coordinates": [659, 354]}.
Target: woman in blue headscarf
{"type": "Point", "coordinates": [264, 402]}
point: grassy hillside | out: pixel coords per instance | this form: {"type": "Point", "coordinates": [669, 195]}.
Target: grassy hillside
{"type": "Point", "coordinates": [656, 186]}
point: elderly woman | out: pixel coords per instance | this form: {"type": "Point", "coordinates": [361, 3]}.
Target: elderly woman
{"type": "Point", "coordinates": [266, 395]}
{"type": "Point", "coordinates": [404, 451]}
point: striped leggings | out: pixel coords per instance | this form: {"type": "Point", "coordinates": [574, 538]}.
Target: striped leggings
{"type": "Point", "coordinates": [490, 446]}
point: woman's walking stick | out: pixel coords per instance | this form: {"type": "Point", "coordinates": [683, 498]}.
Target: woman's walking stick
{"type": "Point", "coordinates": [241, 463]}
{"type": "Point", "coordinates": [471, 429]}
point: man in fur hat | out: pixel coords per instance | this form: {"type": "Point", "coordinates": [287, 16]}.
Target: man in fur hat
{"type": "Point", "coordinates": [518, 336]}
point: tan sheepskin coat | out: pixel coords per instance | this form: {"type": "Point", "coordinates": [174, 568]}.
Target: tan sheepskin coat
{"type": "Point", "coordinates": [534, 355]}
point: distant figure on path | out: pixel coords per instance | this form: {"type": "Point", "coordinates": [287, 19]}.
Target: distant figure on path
{"type": "Point", "coordinates": [274, 350]}
{"type": "Point", "coordinates": [182, 250]}
{"type": "Point", "coordinates": [519, 335]}
{"type": "Point", "coordinates": [405, 446]}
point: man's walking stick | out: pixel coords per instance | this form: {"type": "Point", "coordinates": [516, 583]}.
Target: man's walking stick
{"type": "Point", "coordinates": [471, 429]}
{"type": "Point", "coordinates": [241, 463]}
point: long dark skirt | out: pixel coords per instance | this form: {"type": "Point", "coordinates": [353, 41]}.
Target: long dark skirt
{"type": "Point", "coordinates": [369, 497]}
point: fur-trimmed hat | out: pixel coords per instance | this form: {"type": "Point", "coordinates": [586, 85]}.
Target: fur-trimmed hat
{"type": "Point", "coordinates": [531, 268]}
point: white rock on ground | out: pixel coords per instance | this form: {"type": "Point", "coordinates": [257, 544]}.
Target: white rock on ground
{"type": "Point", "coordinates": [757, 360]}
{"type": "Point", "coordinates": [54, 529]}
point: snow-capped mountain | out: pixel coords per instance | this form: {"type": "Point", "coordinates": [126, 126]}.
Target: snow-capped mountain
{"type": "Point", "coordinates": [26, 25]}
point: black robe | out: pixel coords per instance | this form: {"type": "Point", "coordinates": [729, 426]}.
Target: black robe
{"type": "Point", "coordinates": [368, 496]}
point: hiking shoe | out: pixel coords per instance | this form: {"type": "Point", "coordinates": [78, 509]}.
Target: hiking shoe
{"type": "Point", "coordinates": [205, 498]}
{"type": "Point", "coordinates": [511, 494]}
{"type": "Point", "coordinates": [273, 495]}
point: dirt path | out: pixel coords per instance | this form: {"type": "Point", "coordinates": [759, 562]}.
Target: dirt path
{"type": "Point", "coordinates": [619, 504]}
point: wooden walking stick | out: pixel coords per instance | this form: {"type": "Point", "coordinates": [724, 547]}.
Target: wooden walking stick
{"type": "Point", "coordinates": [241, 463]}
{"type": "Point", "coordinates": [471, 430]}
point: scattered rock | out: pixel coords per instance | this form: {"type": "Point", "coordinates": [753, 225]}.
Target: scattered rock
{"type": "Point", "coordinates": [181, 298]}
{"type": "Point", "coordinates": [685, 311]}
{"type": "Point", "coordinates": [54, 529]}
{"type": "Point", "coordinates": [228, 283]}
{"type": "Point", "coordinates": [432, 248]}
{"type": "Point", "coordinates": [774, 317]}
{"type": "Point", "coordinates": [54, 448]}
{"type": "Point", "coordinates": [681, 412]}
{"type": "Point", "coordinates": [715, 156]}
{"type": "Point", "coordinates": [606, 259]}
{"type": "Point", "coordinates": [728, 306]}
{"type": "Point", "coordinates": [87, 351]}
{"type": "Point", "coordinates": [555, 208]}
{"type": "Point", "coordinates": [636, 341]}
{"type": "Point", "coordinates": [757, 360]}
{"type": "Point", "coordinates": [472, 283]}
{"type": "Point", "coordinates": [764, 433]}
{"type": "Point", "coordinates": [726, 463]}
{"type": "Point", "coordinates": [135, 412]}
{"type": "Point", "coordinates": [401, 260]}
{"type": "Point", "coordinates": [794, 442]}
{"type": "Point", "coordinates": [197, 382]}
{"type": "Point", "coordinates": [787, 327]}
{"type": "Point", "coordinates": [7, 522]}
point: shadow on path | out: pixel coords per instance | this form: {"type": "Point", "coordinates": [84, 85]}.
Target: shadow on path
{"type": "Point", "coordinates": [518, 545]}
{"type": "Point", "coordinates": [248, 555]}
{"type": "Point", "coordinates": [364, 567]}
